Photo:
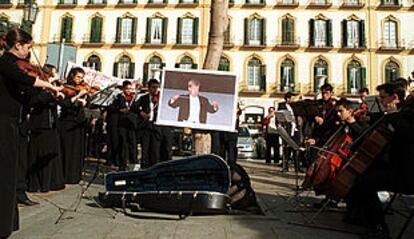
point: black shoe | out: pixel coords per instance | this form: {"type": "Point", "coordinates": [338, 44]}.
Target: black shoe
{"type": "Point", "coordinates": [380, 231]}
{"type": "Point", "coordinates": [27, 202]}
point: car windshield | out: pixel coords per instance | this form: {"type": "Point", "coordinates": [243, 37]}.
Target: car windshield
{"type": "Point", "coordinates": [243, 132]}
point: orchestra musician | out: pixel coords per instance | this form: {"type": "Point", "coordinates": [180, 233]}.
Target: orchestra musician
{"type": "Point", "coordinates": [392, 170]}
{"type": "Point", "coordinates": [127, 124]}
{"type": "Point", "coordinates": [72, 128]}
{"type": "Point", "coordinates": [17, 44]}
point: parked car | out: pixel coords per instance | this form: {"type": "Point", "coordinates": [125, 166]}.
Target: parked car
{"type": "Point", "coordinates": [250, 145]}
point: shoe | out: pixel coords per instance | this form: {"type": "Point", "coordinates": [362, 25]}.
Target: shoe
{"type": "Point", "coordinates": [27, 202]}
{"type": "Point", "coordinates": [380, 231]}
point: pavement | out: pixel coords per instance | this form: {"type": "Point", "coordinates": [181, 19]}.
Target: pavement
{"type": "Point", "coordinates": [65, 214]}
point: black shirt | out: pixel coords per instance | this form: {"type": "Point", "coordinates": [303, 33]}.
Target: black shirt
{"type": "Point", "coordinates": [12, 80]}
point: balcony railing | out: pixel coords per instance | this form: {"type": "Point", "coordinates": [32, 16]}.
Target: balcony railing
{"type": "Point", "coordinates": [86, 39]}
{"type": "Point", "coordinates": [287, 3]}
{"type": "Point", "coordinates": [69, 3]}
{"type": "Point", "coordinates": [97, 2]}
{"type": "Point", "coordinates": [57, 38]}
{"type": "Point", "coordinates": [319, 3]}
{"type": "Point", "coordinates": [254, 3]}
{"type": "Point", "coordinates": [390, 4]}
{"type": "Point", "coordinates": [353, 3]}
{"type": "Point", "coordinates": [293, 43]}
{"type": "Point", "coordinates": [384, 44]}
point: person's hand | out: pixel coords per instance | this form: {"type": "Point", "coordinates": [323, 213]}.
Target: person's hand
{"type": "Point", "coordinates": [319, 120]}
{"type": "Point", "coordinates": [145, 116]}
{"type": "Point", "coordinates": [82, 93]}
{"type": "Point", "coordinates": [392, 107]}
{"type": "Point", "coordinates": [310, 141]}
{"type": "Point", "coordinates": [83, 102]}
{"type": "Point", "coordinates": [174, 98]}
{"type": "Point", "coordinates": [215, 105]}
{"type": "Point", "coordinates": [93, 121]}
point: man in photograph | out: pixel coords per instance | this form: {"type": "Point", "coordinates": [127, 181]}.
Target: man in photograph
{"type": "Point", "coordinates": [193, 107]}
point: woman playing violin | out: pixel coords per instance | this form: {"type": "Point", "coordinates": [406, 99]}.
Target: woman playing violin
{"type": "Point", "coordinates": [17, 45]}
{"type": "Point", "coordinates": [73, 123]}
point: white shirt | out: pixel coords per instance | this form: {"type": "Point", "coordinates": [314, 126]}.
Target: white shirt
{"type": "Point", "coordinates": [272, 128]}
{"type": "Point", "coordinates": [151, 113]}
{"type": "Point", "coordinates": [194, 115]}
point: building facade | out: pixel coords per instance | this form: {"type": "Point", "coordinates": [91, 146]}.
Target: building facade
{"type": "Point", "coordinates": [274, 46]}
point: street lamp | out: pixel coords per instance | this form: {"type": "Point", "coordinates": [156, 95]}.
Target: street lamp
{"type": "Point", "coordinates": [30, 11]}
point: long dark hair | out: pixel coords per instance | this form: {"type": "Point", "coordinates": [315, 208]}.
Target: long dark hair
{"type": "Point", "coordinates": [72, 74]}
{"type": "Point", "coordinates": [14, 36]}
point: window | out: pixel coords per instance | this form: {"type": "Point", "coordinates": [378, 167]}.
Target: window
{"type": "Point", "coordinates": [255, 75]}
{"type": "Point", "coordinates": [353, 33]}
{"type": "Point", "coordinates": [351, 2]}
{"type": "Point", "coordinates": [157, 1]}
{"type": "Point", "coordinates": [320, 33]}
{"type": "Point", "coordinates": [255, 2]}
{"type": "Point", "coordinates": [186, 63]}
{"type": "Point", "coordinates": [392, 71]}
{"type": "Point", "coordinates": [66, 29]}
{"type": "Point", "coordinates": [390, 34]}
{"type": "Point", "coordinates": [66, 2]}
{"type": "Point", "coordinates": [97, 2]}
{"type": "Point", "coordinates": [153, 69]}
{"type": "Point", "coordinates": [157, 30]}
{"type": "Point", "coordinates": [255, 33]}
{"type": "Point", "coordinates": [227, 38]}
{"type": "Point", "coordinates": [96, 29]}
{"type": "Point", "coordinates": [356, 77]}
{"type": "Point", "coordinates": [126, 30]}
{"type": "Point", "coordinates": [127, 1]}
{"type": "Point", "coordinates": [93, 62]}
{"type": "Point", "coordinates": [288, 31]}
{"type": "Point", "coordinates": [187, 33]}
{"type": "Point", "coordinates": [320, 74]}
{"type": "Point", "coordinates": [124, 68]}
{"type": "Point", "coordinates": [319, 2]}
{"type": "Point", "coordinates": [288, 2]}
{"type": "Point", "coordinates": [287, 76]}
{"type": "Point", "coordinates": [188, 1]}
{"type": "Point", "coordinates": [4, 2]}
{"type": "Point", "coordinates": [389, 2]}
{"type": "Point", "coordinates": [224, 64]}
{"type": "Point", "coordinates": [4, 24]}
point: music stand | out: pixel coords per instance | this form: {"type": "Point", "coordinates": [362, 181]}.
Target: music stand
{"type": "Point", "coordinates": [373, 104]}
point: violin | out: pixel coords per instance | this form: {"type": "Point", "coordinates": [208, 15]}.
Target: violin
{"type": "Point", "coordinates": [32, 70]}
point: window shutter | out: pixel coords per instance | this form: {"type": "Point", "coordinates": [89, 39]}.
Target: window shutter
{"type": "Point", "coordinates": [382, 2]}
{"type": "Point", "coordinates": [85, 64]}
{"type": "Point", "coordinates": [131, 70]}
{"type": "Point", "coordinates": [344, 33]}
{"type": "Point", "coordinates": [263, 78]}
{"type": "Point", "coordinates": [290, 26]}
{"type": "Point", "coordinates": [145, 74]}
{"type": "Point", "coordinates": [164, 30]}
{"type": "Point", "coordinates": [68, 34]}
{"type": "Point", "coordinates": [363, 72]}
{"type": "Point", "coordinates": [247, 1]}
{"type": "Point", "coordinates": [134, 30]}
{"type": "Point", "coordinates": [329, 32]}
{"type": "Point", "coordinates": [348, 76]}
{"type": "Point", "coordinates": [96, 29]}
{"type": "Point", "coordinates": [148, 36]}
{"type": "Point", "coordinates": [315, 80]}
{"type": "Point", "coordinates": [246, 31]}
{"type": "Point", "coordinates": [150, 1]}
{"type": "Point", "coordinates": [194, 66]}
{"type": "Point", "coordinates": [387, 74]}
{"type": "Point", "coordinates": [177, 65]}
{"type": "Point", "coordinates": [195, 31]}
{"type": "Point", "coordinates": [292, 78]}
{"type": "Point", "coordinates": [312, 32]}
{"type": "Point", "coordinates": [282, 79]}
{"type": "Point", "coordinates": [115, 72]}
{"type": "Point", "coordinates": [118, 30]}
{"type": "Point", "coordinates": [362, 42]}
{"type": "Point", "coordinates": [263, 40]}
{"type": "Point", "coordinates": [179, 28]}
{"type": "Point", "coordinates": [284, 30]}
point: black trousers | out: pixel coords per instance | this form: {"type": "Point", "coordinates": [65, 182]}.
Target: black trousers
{"type": "Point", "coordinates": [128, 146]}
{"type": "Point", "coordinates": [9, 215]}
{"type": "Point", "coordinates": [167, 138]}
{"type": "Point", "coordinates": [272, 140]}
{"type": "Point", "coordinates": [113, 145]}
{"type": "Point", "coordinates": [23, 164]}
{"type": "Point", "coordinates": [150, 145]}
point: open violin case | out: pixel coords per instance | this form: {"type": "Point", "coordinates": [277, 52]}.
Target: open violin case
{"type": "Point", "coordinates": [197, 184]}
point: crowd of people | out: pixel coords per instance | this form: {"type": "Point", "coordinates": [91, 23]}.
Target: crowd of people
{"type": "Point", "coordinates": [44, 128]}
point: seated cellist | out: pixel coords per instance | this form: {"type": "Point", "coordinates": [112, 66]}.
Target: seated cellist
{"type": "Point", "coordinates": [391, 171]}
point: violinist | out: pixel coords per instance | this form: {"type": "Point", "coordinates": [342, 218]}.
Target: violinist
{"type": "Point", "coordinates": [392, 171]}
{"type": "Point", "coordinates": [16, 43]}
{"type": "Point", "coordinates": [72, 129]}
{"type": "Point", "coordinates": [362, 112]}
{"type": "Point", "coordinates": [127, 124]}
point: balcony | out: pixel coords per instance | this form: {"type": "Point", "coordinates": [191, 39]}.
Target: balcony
{"type": "Point", "coordinates": [96, 3]}
{"type": "Point", "coordinates": [156, 3]}
{"type": "Point", "coordinates": [322, 4]}
{"type": "Point", "coordinates": [5, 4]}
{"type": "Point", "coordinates": [187, 3]}
{"type": "Point", "coordinates": [67, 3]}
{"type": "Point", "coordinates": [389, 5]}
{"type": "Point", "coordinates": [353, 4]}
{"type": "Point", "coordinates": [127, 3]}
{"type": "Point", "coordinates": [286, 4]}
{"type": "Point", "coordinates": [92, 42]}
{"type": "Point", "coordinates": [57, 39]}
{"type": "Point", "coordinates": [385, 45]}
{"type": "Point", "coordinates": [318, 47]}
{"type": "Point", "coordinates": [254, 4]}
{"type": "Point", "coordinates": [287, 44]}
